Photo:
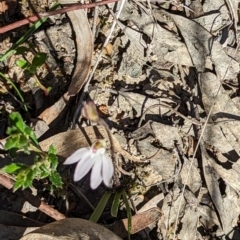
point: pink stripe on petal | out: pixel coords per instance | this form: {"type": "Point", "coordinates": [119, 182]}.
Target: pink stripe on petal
{"type": "Point", "coordinates": [76, 156]}
{"type": "Point", "coordinates": [83, 167]}
{"type": "Point", "coordinates": [107, 170]}
{"type": "Point", "coordinates": [96, 177]}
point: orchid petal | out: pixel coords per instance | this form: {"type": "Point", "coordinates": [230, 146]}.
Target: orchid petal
{"type": "Point", "coordinates": [76, 156]}
{"type": "Point", "coordinates": [96, 177]}
{"type": "Point", "coordinates": [107, 170]}
{"type": "Point", "coordinates": [83, 167]}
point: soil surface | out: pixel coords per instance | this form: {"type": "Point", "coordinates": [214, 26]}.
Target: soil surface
{"type": "Point", "coordinates": [164, 76]}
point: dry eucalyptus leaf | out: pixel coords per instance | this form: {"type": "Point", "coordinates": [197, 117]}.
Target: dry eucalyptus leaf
{"type": "Point", "coordinates": [68, 142]}
{"type": "Point", "coordinates": [200, 44]}
{"type": "Point", "coordinates": [71, 229]}
{"type": "Point", "coordinates": [168, 48]}
{"type": "Point", "coordinates": [139, 222]}
{"type": "Point", "coordinates": [230, 176]}
{"type": "Point", "coordinates": [211, 178]}
{"type": "Point", "coordinates": [154, 202]}
{"type": "Point", "coordinates": [84, 45]}
{"type": "Point", "coordinates": [139, 103]}
{"type": "Point", "coordinates": [209, 215]}
{"type": "Point", "coordinates": [134, 36]}
{"type": "Point", "coordinates": [226, 67]}
{"type": "Point", "coordinates": [51, 113]}
{"type": "Point", "coordinates": [189, 224]}
{"type": "Point", "coordinates": [212, 22]}
{"type": "Point", "coordinates": [171, 203]}
{"type": "Point", "coordinates": [194, 180]}
{"type": "Point", "coordinates": [131, 63]}
{"type": "Point", "coordinates": [167, 135]}
{"type": "Point", "coordinates": [197, 39]}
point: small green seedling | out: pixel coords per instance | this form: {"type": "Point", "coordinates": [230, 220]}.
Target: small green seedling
{"type": "Point", "coordinates": [114, 209]}
{"type": "Point", "coordinates": [22, 138]}
{"type": "Point", "coordinates": [30, 68]}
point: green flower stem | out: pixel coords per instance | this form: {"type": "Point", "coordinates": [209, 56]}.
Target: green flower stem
{"type": "Point", "coordinates": [37, 150]}
{"type": "Point", "coordinates": [41, 86]}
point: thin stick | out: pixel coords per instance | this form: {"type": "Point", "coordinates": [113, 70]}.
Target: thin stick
{"type": "Point", "coordinates": [8, 183]}
{"type": "Point", "coordinates": [34, 18]}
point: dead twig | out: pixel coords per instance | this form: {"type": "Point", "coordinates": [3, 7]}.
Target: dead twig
{"type": "Point", "coordinates": [35, 18]}
{"type": "Point", "coordinates": [35, 201]}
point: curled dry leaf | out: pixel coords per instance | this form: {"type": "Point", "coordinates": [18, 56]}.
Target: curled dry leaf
{"type": "Point", "coordinates": [84, 47]}
{"type": "Point", "coordinates": [84, 44]}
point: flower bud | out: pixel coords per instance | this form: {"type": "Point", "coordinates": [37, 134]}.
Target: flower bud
{"type": "Point", "coordinates": [89, 111]}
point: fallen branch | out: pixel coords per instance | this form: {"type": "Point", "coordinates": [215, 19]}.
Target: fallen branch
{"type": "Point", "coordinates": [35, 18]}
{"type": "Point", "coordinates": [35, 201]}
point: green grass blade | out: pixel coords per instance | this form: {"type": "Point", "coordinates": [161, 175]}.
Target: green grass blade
{"type": "Point", "coordinates": [16, 89]}
{"type": "Point", "coordinates": [27, 34]}
{"type": "Point", "coordinates": [115, 204]}
{"type": "Point", "coordinates": [100, 207]}
{"type": "Point", "coordinates": [129, 213]}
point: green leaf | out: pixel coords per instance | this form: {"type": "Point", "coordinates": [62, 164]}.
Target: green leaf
{"type": "Point", "coordinates": [44, 174]}
{"type": "Point", "coordinates": [27, 73]}
{"type": "Point", "coordinates": [49, 89]}
{"type": "Point", "coordinates": [23, 141]}
{"type": "Point", "coordinates": [17, 184]}
{"type": "Point", "coordinates": [21, 50]}
{"type": "Point", "coordinates": [115, 204]}
{"type": "Point", "coordinates": [13, 152]}
{"type": "Point", "coordinates": [129, 213]}
{"type": "Point", "coordinates": [32, 69]}
{"type": "Point", "coordinates": [12, 142]}
{"type": "Point", "coordinates": [52, 150]}
{"type": "Point", "coordinates": [28, 179]}
{"type": "Point", "coordinates": [16, 120]}
{"type": "Point", "coordinates": [13, 167]}
{"type": "Point", "coordinates": [56, 179]}
{"type": "Point", "coordinates": [45, 169]}
{"type": "Point", "coordinates": [22, 63]}
{"type": "Point", "coordinates": [36, 171]}
{"type": "Point", "coordinates": [31, 134]}
{"type": "Point", "coordinates": [100, 207]}
{"type": "Point", "coordinates": [39, 59]}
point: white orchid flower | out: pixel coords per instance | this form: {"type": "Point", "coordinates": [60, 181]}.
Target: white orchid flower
{"type": "Point", "coordinates": [94, 157]}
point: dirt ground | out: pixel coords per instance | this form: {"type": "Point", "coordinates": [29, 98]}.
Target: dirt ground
{"type": "Point", "coordinates": [164, 76]}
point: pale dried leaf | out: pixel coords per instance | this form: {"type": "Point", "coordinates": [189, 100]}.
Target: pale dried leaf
{"type": "Point", "coordinates": [211, 178]}
{"type": "Point", "coordinates": [84, 46]}
{"type": "Point", "coordinates": [197, 39]}
{"type": "Point", "coordinates": [71, 229]}
{"type": "Point", "coordinates": [139, 222]}
{"type": "Point", "coordinates": [171, 203]}
{"type": "Point", "coordinates": [154, 202]}
{"type": "Point", "coordinates": [189, 227]}
{"type": "Point", "coordinates": [194, 181]}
